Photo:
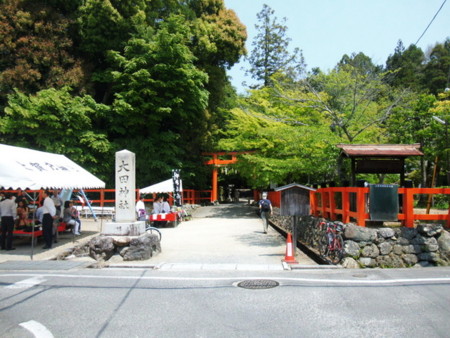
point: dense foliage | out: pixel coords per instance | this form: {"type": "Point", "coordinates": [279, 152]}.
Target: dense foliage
{"type": "Point", "coordinates": [296, 122]}
{"type": "Point", "coordinates": [87, 78]}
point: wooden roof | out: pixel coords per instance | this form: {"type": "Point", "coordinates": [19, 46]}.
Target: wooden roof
{"type": "Point", "coordinates": [380, 150]}
{"type": "Point", "coordinates": [292, 185]}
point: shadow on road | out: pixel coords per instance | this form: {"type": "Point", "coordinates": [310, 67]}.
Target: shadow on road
{"type": "Point", "coordinates": [231, 210]}
{"type": "Point", "coordinates": [259, 239]}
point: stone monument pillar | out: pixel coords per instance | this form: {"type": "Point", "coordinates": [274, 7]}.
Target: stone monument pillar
{"type": "Point", "coordinates": [125, 223]}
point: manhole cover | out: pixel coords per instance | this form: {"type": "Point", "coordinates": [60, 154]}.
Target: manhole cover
{"type": "Point", "coordinates": [360, 275]}
{"type": "Point", "coordinates": [258, 284]}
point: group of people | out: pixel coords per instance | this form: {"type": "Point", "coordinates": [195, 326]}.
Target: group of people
{"type": "Point", "coordinates": [14, 213]}
{"type": "Point", "coordinates": [160, 206]}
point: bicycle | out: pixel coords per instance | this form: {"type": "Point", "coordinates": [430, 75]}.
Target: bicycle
{"type": "Point", "coordinates": [331, 244]}
{"type": "Point", "coordinates": [150, 229]}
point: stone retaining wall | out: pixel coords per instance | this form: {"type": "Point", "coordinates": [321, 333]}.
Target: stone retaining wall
{"type": "Point", "coordinates": [425, 245]}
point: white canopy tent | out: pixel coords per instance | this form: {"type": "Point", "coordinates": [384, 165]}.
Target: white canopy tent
{"type": "Point", "coordinates": [164, 186]}
{"type": "Point", "coordinates": [25, 168]}
{"type": "Point", "coordinates": [31, 169]}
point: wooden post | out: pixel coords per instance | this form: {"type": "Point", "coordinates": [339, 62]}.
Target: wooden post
{"type": "Point", "coordinates": [433, 183]}
{"type": "Point", "coordinates": [323, 202]}
{"type": "Point", "coordinates": [294, 236]}
{"type": "Point", "coordinates": [102, 198]}
{"type": "Point", "coordinates": [332, 204]}
{"type": "Point", "coordinates": [409, 207]}
{"type": "Point", "coordinates": [345, 206]}
{"type": "Point", "coordinates": [313, 203]}
{"type": "Point", "coordinates": [361, 207]}
{"type": "Point", "coordinates": [215, 185]}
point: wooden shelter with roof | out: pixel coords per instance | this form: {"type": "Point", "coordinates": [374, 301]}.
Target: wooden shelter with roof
{"type": "Point", "coordinates": [379, 158]}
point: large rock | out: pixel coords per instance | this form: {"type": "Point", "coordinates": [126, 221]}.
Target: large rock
{"type": "Point", "coordinates": [351, 249]}
{"type": "Point", "coordinates": [410, 259]}
{"type": "Point", "coordinates": [360, 234]}
{"type": "Point", "coordinates": [385, 248]}
{"type": "Point", "coordinates": [386, 232]}
{"type": "Point", "coordinates": [430, 230]}
{"type": "Point", "coordinates": [390, 261]}
{"type": "Point", "coordinates": [101, 248]}
{"type": "Point", "coordinates": [432, 257]}
{"type": "Point", "coordinates": [408, 233]}
{"type": "Point", "coordinates": [370, 251]}
{"type": "Point", "coordinates": [444, 243]}
{"type": "Point", "coordinates": [398, 249]}
{"type": "Point", "coordinates": [121, 241]}
{"type": "Point", "coordinates": [367, 262]}
{"type": "Point", "coordinates": [349, 263]}
{"type": "Point", "coordinates": [412, 249]}
{"type": "Point", "coordinates": [142, 248]}
{"type": "Point", "coordinates": [428, 244]}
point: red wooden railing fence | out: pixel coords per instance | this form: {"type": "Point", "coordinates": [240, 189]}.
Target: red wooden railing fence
{"type": "Point", "coordinates": [334, 204]}
{"type": "Point", "coordinates": [106, 197]}
{"type": "Point", "coordinates": [331, 203]}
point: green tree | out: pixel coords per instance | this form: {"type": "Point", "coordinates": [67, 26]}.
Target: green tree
{"type": "Point", "coordinates": [360, 63]}
{"type": "Point", "coordinates": [270, 53]}
{"type": "Point", "coordinates": [55, 121]}
{"type": "Point", "coordinates": [414, 123]}
{"type": "Point", "coordinates": [291, 142]}
{"type": "Point", "coordinates": [36, 49]}
{"type": "Point", "coordinates": [218, 42]}
{"type": "Point", "coordinates": [437, 69]}
{"type": "Point", "coordinates": [159, 110]}
{"type": "Point", "coordinates": [356, 104]}
{"type": "Point", "coordinates": [345, 106]}
{"type": "Point", "coordinates": [406, 67]}
{"type": "Point", "coordinates": [441, 110]}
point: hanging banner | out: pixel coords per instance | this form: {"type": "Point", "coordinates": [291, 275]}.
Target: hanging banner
{"type": "Point", "coordinates": [176, 187]}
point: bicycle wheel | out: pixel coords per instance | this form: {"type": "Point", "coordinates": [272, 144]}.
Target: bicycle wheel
{"type": "Point", "coordinates": [337, 252]}
{"type": "Point", "coordinates": [323, 245]}
{"type": "Point", "coordinates": [152, 230]}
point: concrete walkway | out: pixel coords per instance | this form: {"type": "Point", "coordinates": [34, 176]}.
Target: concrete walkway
{"type": "Point", "coordinates": [225, 237]}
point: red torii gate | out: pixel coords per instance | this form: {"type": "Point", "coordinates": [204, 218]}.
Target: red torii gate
{"type": "Point", "coordinates": [216, 162]}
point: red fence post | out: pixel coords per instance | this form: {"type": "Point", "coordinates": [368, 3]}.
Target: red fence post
{"type": "Point", "coordinates": [323, 200]}
{"type": "Point", "coordinates": [345, 206]}
{"type": "Point", "coordinates": [408, 207]}
{"type": "Point", "coordinates": [360, 208]}
{"type": "Point", "coordinates": [312, 203]}
{"type": "Point", "coordinates": [332, 203]}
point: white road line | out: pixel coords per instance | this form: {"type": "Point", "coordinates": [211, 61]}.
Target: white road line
{"type": "Point", "coordinates": [26, 283]}
{"type": "Point", "coordinates": [315, 281]}
{"type": "Point", "coordinates": [37, 329]}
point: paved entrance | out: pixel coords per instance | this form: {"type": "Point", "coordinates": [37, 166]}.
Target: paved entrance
{"type": "Point", "coordinates": [223, 237]}
{"type": "Point", "coordinates": [228, 237]}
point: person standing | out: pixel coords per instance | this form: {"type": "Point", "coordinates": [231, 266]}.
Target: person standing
{"type": "Point", "coordinates": [165, 206]}
{"type": "Point", "coordinates": [140, 209]}
{"type": "Point", "coordinates": [47, 220]}
{"type": "Point", "coordinates": [157, 205]}
{"type": "Point", "coordinates": [58, 202]}
{"type": "Point", "coordinates": [8, 212]}
{"type": "Point", "coordinates": [265, 208]}
{"type": "Point", "coordinates": [40, 213]}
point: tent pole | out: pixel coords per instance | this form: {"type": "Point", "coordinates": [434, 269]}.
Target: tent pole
{"type": "Point", "coordinates": [32, 225]}
{"type": "Point", "coordinates": [88, 204]}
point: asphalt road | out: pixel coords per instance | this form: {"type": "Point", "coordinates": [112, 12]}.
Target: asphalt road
{"type": "Point", "coordinates": [65, 299]}
{"type": "Point", "coordinates": [152, 303]}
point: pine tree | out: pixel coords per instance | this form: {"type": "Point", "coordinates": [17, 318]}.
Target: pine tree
{"type": "Point", "coordinates": [270, 52]}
